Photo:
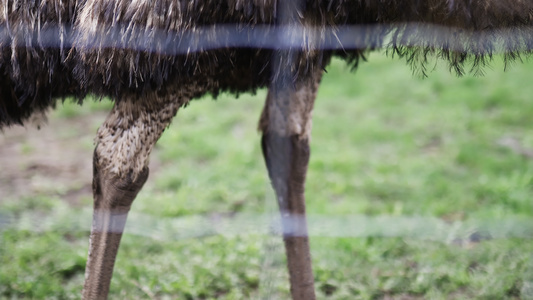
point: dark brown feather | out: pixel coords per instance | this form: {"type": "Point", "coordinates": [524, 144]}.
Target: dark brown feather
{"type": "Point", "coordinates": [61, 48]}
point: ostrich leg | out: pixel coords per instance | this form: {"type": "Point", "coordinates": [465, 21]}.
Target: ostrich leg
{"type": "Point", "coordinates": [286, 125]}
{"type": "Point", "coordinates": [123, 146]}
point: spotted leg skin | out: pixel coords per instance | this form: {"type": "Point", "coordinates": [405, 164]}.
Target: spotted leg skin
{"type": "Point", "coordinates": [121, 157]}
{"type": "Point", "coordinates": [286, 126]}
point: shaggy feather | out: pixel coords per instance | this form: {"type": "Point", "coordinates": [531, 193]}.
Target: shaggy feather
{"type": "Point", "coordinates": [119, 47]}
{"type": "Point", "coordinates": [32, 77]}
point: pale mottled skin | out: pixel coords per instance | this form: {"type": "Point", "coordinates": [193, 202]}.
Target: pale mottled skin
{"type": "Point", "coordinates": [121, 158]}
{"type": "Point", "coordinates": [126, 138]}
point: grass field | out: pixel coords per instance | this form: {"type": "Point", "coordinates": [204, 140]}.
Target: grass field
{"type": "Point", "coordinates": [417, 189]}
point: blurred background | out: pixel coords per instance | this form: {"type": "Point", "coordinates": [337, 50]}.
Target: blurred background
{"type": "Point", "coordinates": [417, 189]}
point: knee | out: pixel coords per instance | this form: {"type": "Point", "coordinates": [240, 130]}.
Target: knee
{"type": "Point", "coordinates": [119, 188]}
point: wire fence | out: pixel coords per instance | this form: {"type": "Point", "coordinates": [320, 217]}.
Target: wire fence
{"type": "Point", "coordinates": [280, 37]}
{"type": "Point", "coordinates": [268, 224]}
{"type": "Point", "coordinates": [231, 225]}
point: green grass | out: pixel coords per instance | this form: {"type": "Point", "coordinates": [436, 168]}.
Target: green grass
{"type": "Point", "coordinates": [387, 148]}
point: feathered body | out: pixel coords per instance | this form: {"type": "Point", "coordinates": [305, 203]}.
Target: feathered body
{"type": "Point", "coordinates": [52, 49]}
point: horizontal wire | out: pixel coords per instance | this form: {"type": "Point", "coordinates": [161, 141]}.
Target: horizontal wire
{"type": "Point", "coordinates": [273, 37]}
{"type": "Point", "coordinates": [231, 225]}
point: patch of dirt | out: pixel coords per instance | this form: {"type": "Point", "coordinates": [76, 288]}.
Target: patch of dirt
{"type": "Point", "coordinates": [55, 160]}
{"type": "Point", "coordinates": [516, 146]}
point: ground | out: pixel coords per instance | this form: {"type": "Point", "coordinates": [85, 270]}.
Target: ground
{"type": "Point", "coordinates": [417, 189]}
{"type": "Point", "coordinates": [53, 160]}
